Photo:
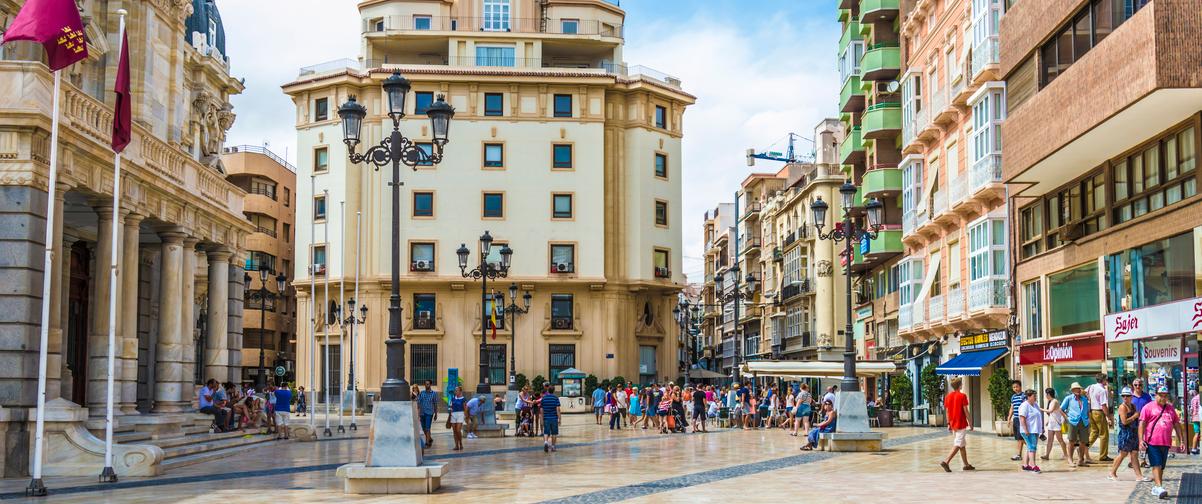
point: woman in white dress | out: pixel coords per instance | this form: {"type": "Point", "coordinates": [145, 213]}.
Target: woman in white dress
{"type": "Point", "coordinates": [1055, 420]}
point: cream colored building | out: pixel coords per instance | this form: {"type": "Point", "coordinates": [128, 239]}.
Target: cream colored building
{"type": "Point", "coordinates": [183, 236]}
{"type": "Point", "coordinates": [558, 149]}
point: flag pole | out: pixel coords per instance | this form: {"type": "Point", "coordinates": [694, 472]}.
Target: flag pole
{"type": "Point", "coordinates": [325, 322]}
{"type": "Point", "coordinates": [341, 301]}
{"type": "Point", "coordinates": [355, 321]}
{"type": "Point", "coordinates": [108, 475]}
{"type": "Point", "coordinates": [313, 312]}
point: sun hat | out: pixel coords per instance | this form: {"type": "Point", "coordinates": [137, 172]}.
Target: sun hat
{"type": "Point", "coordinates": [1126, 391]}
{"type": "Point", "coordinates": [1075, 386]}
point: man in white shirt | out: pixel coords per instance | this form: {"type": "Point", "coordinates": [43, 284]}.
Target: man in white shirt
{"type": "Point", "coordinates": [830, 396]}
{"type": "Point", "coordinates": [1100, 420]}
{"type": "Point", "coordinates": [622, 399]}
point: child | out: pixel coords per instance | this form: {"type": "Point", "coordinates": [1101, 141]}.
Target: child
{"type": "Point", "coordinates": [526, 427]}
{"type": "Point", "coordinates": [1030, 421]}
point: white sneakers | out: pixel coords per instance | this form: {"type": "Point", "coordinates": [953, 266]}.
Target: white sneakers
{"type": "Point", "coordinates": [1160, 492]}
{"type": "Point", "coordinates": [471, 435]}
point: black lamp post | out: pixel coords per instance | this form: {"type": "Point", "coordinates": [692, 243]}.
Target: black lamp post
{"type": "Point", "coordinates": [394, 150]}
{"type": "Point", "coordinates": [735, 296]}
{"type": "Point", "coordinates": [353, 321]}
{"type": "Point", "coordinates": [484, 272]}
{"type": "Point", "coordinates": [848, 234]}
{"type": "Point", "coordinates": [264, 296]}
{"type": "Point", "coordinates": [514, 310]}
{"type": "Point", "coordinates": [681, 312]}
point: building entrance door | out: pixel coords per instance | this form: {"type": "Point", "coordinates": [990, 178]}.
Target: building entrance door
{"type": "Point", "coordinates": [77, 322]}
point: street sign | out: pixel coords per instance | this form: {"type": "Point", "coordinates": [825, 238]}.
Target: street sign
{"type": "Point", "coordinates": [279, 370]}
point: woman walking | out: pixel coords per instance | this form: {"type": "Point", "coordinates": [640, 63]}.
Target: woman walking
{"type": "Point", "coordinates": [1128, 438]}
{"type": "Point", "coordinates": [455, 420]}
{"type": "Point", "coordinates": [665, 407]}
{"type": "Point", "coordinates": [1030, 423]}
{"type": "Point", "coordinates": [636, 408]}
{"type": "Point", "coordinates": [801, 417]}
{"type": "Point", "coordinates": [1055, 421]}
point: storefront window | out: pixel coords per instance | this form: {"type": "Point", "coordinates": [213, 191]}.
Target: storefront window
{"type": "Point", "coordinates": [1152, 274]}
{"type": "Point", "coordinates": [1073, 299]}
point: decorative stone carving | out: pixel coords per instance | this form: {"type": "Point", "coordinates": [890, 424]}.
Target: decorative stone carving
{"type": "Point", "coordinates": [825, 269]}
{"type": "Point", "coordinates": [214, 117]}
{"type": "Point", "coordinates": [824, 341]}
{"type": "Point", "coordinates": [178, 10]}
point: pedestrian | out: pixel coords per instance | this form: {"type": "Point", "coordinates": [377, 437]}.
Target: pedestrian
{"type": "Point", "coordinates": [647, 406]}
{"type": "Point", "coordinates": [745, 404]}
{"type": "Point", "coordinates": [790, 410]}
{"type": "Point", "coordinates": [830, 396]}
{"type": "Point", "coordinates": [1128, 438]}
{"type": "Point", "coordinates": [1016, 401]}
{"type": "Point", "coordinates": [1100, 418]}
{"type": "Point", "coordinates": [622, 403]}
{"type": "Point", "coordinates": [699, 412]}
{"type": "Point", "coordinates": [1030, 417]}
{"type": "Point", "coordinates": [1196, 419]}
{"type": "Point", "coordinates": [829, 420]}
{"type": "Point", "coordinates": [427, 412]}
{"type": "Point", "coordinates": [1054, 426]}
{"type": "Point", "coordinates": [475, 407]}
{"type": "Point", "coordinates": [550, 407]}
{"type": "Point", "coordinates": [302, 408]}
{"type": "Point", "coordinates": [1157, 423]}
{"type": "Point", "coordinates": [665, 407]}
{"type": "Point", "coordinates": [206, 400]}
{"type": "Point", "coordinates": [611, 407]}
{"type": "Point", "coordinates": [1140, 398]}
{"type": "Point", "coordinates": [635, 408]}
{"type": "Point", "coordinates": [456, 418]}
{"type": "Point", "coordinates": [598, 404]}
{"type": "Point", "coordinates": [1076, 412]}
{"type": "Point", "coordinates": [956, 406]}
{"type": "Point", "coordinates": [283, 398]}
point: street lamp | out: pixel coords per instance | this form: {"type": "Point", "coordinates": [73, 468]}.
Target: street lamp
{"type": "Point", "coordinates": [352, 321]}
{"type": "Point", "coordinates": [264, 296]}
{"type": "Point", "coordinates": [682, 313]}
{"type": "Point", "coordinates": [395, 150]}
{"type": "Point", "coordinates": [735, 296]}
{"type": "Point", "coordinates": [514, 310]}
{"type": "Point", "coordinates": [484, 272]}
{"type": "Point", "coordinates": [848, 234]}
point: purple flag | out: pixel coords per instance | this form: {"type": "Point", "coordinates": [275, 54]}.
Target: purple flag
{"type": "Point", "coordinates": [122, 113]}
{"type": "Point", "coordinates": [56, 25]}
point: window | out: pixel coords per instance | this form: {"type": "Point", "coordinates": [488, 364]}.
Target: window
{"type": "Point", "coordinates": [494, 104]}
{"type": "Point", "coordinates": [563, 105]}
{"type": "Point", "coordinates": [256, 261]}
{"type": "Point", "coordinates": [1068, 213]}
{"type": "Point", "coordinates": [494, 155]}
{"type": "Point", "coordinates": [427, 149]}
{"type": "Point", "coordinates": [849, 60]}
{"type": "Point", "coordinates": [987, 117]}
{"type": "Point", "coordinates": [421, 22]}
{"type": "Point", "coordinates": [495, 303]}
{"type": "Point", "coordinates": [1081, 33]}
{"type": "Point", "coordinates": [287, 197]}
{"type": "Point", "coordinates": [423, 364]}
{"type": "Point", "coordinates": [561, 311]}
{"type": "Point", "coordinates": [319, 207]}
{"type": "Point", "coordinates": [1031, 218]}
{"type": "Point", "coordinates": [495, 56]}
{"type": "Point", "coordinates": [287, 232]}
{"type": "Point", "coordinates": [1160, 174]}
{"type": "Point", "coordinates": [377, 24]}
{"type": "Point", "coordinates": [1073, 301]}
{"type": "Point", "coordinates": [422, 101]}
{"type": "Point", "coordinates": [569, 26]}
{"type": "Point", "coordinates": [647, 370]}
{"type": "Point", "coordinates": [496, 15]}
{"type": "Point", "coordinates": [561, 156]}
{"type": "Point", "coordinates": [423, 204]}
{"type": "Point", "coordinates": [661, 117]}
{"type": "Point", "coordinates": [661, 261]}
{"type": "Point", "coordinates": [563, 258]}
{"type": "Point", "coordinates": [424, 310]}
{"type": "Point", "coordinates": [321, 109]}
{"type": "Point", "coordinates": [321, 159]}
{"type": "Point", "coordinates": [421, 256]}
{"type": "Point", "coordinates": [263, 187]}
{"type": "Point", "coordinates": [562, 358]}
{"type": "Point", "coordinates": [912, 182]}
{"type": "Point", "coordinates": [494, 205]}
{"type": "Point", "coordinates": [661, 165]}
{"type": "Point", "coordinates": [319, 258]}
{"type": "Point", "coordinates": [661, 213]}
{"type": "Point", "coordinates": [953, 265]}
{"type": "Point", "coordinates": [987, 263]}
{"type": "Point", "coordinates": [494, 253]}
{"type": "Point", "coordinates": [561, 206]}
{"type": "Point", "coordinates": [1155, 273]}
{"type": "Point", "coordinates": [496, 363]}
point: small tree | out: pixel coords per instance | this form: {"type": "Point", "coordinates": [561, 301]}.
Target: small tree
{"type": "Point", "coordinates": [538, 382]}
{"type": "Point", "coordinates": [520, 380]}
{"type": "Point", "coordinates": [605, 384]}
{"type": "Point", "coordinates": [999, 391]}
{"type": "Point", "coordinates": [901, 393]}
{"type": "Point", "coordinates": [932, 386]}
{"type": "Point", "coordinates": [590, 384]}
{"type": "Point", "coordinates": [618, 381]}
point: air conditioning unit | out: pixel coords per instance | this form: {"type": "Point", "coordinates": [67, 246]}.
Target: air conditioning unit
{"type": "Point", "coordinates": [1075, 231]}
{"type": "Point", "coordinates": [423, 265]}
{"type": "Point", "coordinates": [319, 269]}
{"type": "Point", "coordinates": [424, 315]}
{"type": "Point", "coordinates": [662, 272]}
{"type": "Point", "coordinates": [561, 267]}
{"type": "Point", "coordinates": [561, 323]}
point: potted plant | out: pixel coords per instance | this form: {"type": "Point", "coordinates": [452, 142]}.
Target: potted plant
{"type": "Point", "coordinates": [999, 398]}
{"type": "Point", "coordinates": [932, 389]}
{"type": "Point", "coordinates": [901, 396]}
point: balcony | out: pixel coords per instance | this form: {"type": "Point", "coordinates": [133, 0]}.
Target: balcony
{"type": "Point", "coordinates": [955, 302]}
{"type": "Point", "coordinates": [905, 318]}
{"type": "Point", "coordinates": [941, 107]}
{"type": "Point", "coordinates": [851, 151]}
{"type": "Point", "coordinates": [985, 56]}
{"type": "Point", "coordinates": [986, 173]}
{"type": "Point", "coordinates": [851, 33]}
{"type": "Point", "coordinates": [425, 323]}
{"type": "Point", "coordinates": [878, 10]}
{"type": "Point", "coordinates": [662, 272]}
{"type": "Point", "coordinates": [851, 96]}
{"type": "Point", "coordinates": [439, 25]}
{"type": "Point", "coordinates": [796, 288]}
{"type": "Point", "coordinates": [511, 66]}
{"type": "Point", "coordinates": [959, 189]}
{"type": "Point", "coordinates": [882, 120]}
{"type": "Point", "coordinates": [879, 181]}
{"type": "Point", "coordinates": [751, 245]}
{"type": "Point", "coordinates": [935, 309]}
{"type": "Point", "coordinates": [988, 293]}
{"type": "Point", "coordinates": [789, 239]}
{"type": "Point", "coordinates": [888, 242]}
{"type": "Point", "coordinates": [265, 230]}
{"type": "Point", "coordinates": [918, 313]}
{"type": "Point", "coordinates": [751, 210]}
{"type": "Point", "coordinates": [881, 62]}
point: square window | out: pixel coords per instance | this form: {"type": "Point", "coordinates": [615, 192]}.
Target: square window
{"type": "Point", "coordinates": [427, 149]}
{"type": "Point", "coordinates": [494, 104]}
{"type": "Point", "coordinates": [494, 205]}
{"type": "Point", "coordinates": [494, 253]}
{"type": "Point", "coordinates": [422, 101]}
{"type": "Point", "coordinates": [570, 26]}
{"type": "Point", "coordinates": [421, 22]}
{"type": "Point", "coordinates": [423, 204]}
{"type": "Point", "coordinates": [561, 311]}
{"type": "Point", "coordinates": [563, 258]}
{"type": "Point", "coordinates": [421, 257]}
{"type": "Point", "coordinates": [495, 56]}
{"type": "Point", "coordinates": [562, 155]}
{"type": "Point", "coordinates": [561, 206]}
{"type": "Point", "coordinates": [321, 159]}
{"type": "Point", "coordinates": [563, 105]}
{"type": "Point", "coordinates": [661, 213]}
{"type": "Point", "coordinates": [319, 207]}
{"type": "Point", "coordinates": [424, 306]}
{"type": "Point", "coordinates": [321, 109]}
{"type": "Point", "coordinates": [661, 117]}
{"type": "Point", "coordinates": [661, 166]}
{"type": "Point", "coordinates": [494, 155]}
{"type": "Point", "coordinates": [319, 258]}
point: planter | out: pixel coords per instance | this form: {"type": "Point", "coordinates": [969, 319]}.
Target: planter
{"type": "Point", "coordinates": [905, 415]}
{"type": "Point", "coordinates": [1002, 428]}
{"type": "Point", "coordinates": [935, 419]}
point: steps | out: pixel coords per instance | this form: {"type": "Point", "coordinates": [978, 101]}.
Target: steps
{"type": "Point", "coordinates": [197, 445]}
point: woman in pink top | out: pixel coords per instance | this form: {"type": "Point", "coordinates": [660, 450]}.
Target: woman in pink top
{"type": "Point", "coordinates": [1157, 423]}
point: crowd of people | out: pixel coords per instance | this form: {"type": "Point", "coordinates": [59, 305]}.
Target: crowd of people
{"type": "Point", "coordinates": [235, 407]}
{"type": "Point", "coordinates": [466, 414]}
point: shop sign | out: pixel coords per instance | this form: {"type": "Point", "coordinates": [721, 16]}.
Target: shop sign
{"type": "Point", "coordinates": [1170, 318]}
{"type": "Point", "coordinates": [1162, 351]}
{"type": "Point", "coordinates": [1076, 350]}
{"type": "Point", "coordinates": [984, 341]}
{"type": "Point", "coordinates": [864, 312]}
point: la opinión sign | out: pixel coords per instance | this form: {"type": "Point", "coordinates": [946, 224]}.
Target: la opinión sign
{"type": "Point", "coordinates": [1170, 318]}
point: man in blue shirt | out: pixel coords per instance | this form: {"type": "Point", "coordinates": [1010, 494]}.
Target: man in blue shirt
{"type": "Point", "coordinates": [1139, 396]}
{"type": "Point", "coordinates": [283, 408]}
{"type": "Point", "coordinates": [1076, 409]}
{"type": "Point", "coordinates": [550, 405]}
{"type": "Point", "coordinates": [598, 403]}
{"type": "Point", "coordinates": [1017, 400]}
{"type": "Point", "coordinates": [427, 411]}
{"type": "Point", "coordinates": [206, 400]}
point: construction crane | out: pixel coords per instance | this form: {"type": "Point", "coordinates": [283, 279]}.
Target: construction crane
{"type": "Point", "coordinates": [789, 156]}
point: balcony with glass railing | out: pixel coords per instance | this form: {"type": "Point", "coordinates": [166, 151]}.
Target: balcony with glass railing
{"type": "Point", "coordinates": [432, 25]}
{"type": "Point", "coordinates": [935, 308]}
{"type": "Point", "coordinates": [988, 293]}
{"type": "Point", "coordinates": [986, 172]}
{"type": "Point", "coordinates": [939, 202]}
{"type": "Point", "coordinates": [985, 55]}
{"type": "Point", "coordinates": [905, 317]}
{"type": "Point", "coordinates": [959, 189]}
{"type": "Point", "coordinates": [954, 300]}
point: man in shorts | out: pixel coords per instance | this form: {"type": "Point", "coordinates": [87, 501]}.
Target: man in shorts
{"type": "Point", "coordinates": [956, 406]}
{"type": "Point", "coordinates": [550, 405]}
{"type": "Point", "coordinates": [1157, 423]}
{"type": "Point", "coordinates": [1016, 401]}
{"type": "Point", "coordinates": [1076, 412]}
{"type": "Point", "coordinates": [283, 407]}
{"type": "Point", "coordinates": [427, 411]}
{"type": "Point", "coordinates": [698, 411]}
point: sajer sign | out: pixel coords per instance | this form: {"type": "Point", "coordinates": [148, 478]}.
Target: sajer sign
{"type": "Point", "coordinates": [1170, 318]}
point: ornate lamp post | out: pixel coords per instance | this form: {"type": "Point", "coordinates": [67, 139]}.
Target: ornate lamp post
{"type": "Point", "coordinates": [848, 233]}
{"type": "Point", "coordinates": [264, 296]}
{"type": "Point", "coordinates": [353, 321]}
{"type": "Point", "coordinates": [514, 310]}
{"type": "Point", "coordinates": [395, 150]}
{"type": "Point", "coordinates": [484, 272]}
{"type": "Point", "coordinates": [735, 296]}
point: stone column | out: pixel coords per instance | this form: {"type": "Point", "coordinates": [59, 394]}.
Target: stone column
{"type": "Point", "coordinates": [234, 344]}
{"type": "Point", "coordinates": [129, 278]}
{"type": "Point", "coordinates": [168, 369]}
{"type": "Point", "coordinates": [825, 270]}
{"type": "Point", "coordinates": [102, 289]}
{"type": "Point", "coordinates": [56, 348]}
{"type": "Point", "coordinates": [58, 308]}
{"type": "Point", "coordinates": [187, 316]}
{"type": "Point", "coordinates": [216, 344]}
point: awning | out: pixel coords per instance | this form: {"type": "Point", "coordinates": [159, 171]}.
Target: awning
{"type": "Point", "coordinates": [814, 369]}
{"type": "Point", "coordinates": [705, 374]}
{"type": "Point", "coordinates": [970, 364]}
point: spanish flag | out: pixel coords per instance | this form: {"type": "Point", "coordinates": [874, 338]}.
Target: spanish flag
{"type": "Point", "coordinates": [492, 318]}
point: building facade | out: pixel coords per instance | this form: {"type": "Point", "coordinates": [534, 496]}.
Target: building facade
{"type": "Point", "coordinates": [558, 149]}
{"type": "Point", "coordinates": [717, 225]}
{"type": "Point", "coordinates": [270, 206]}
{"type": "Point", "coordinates": [183, 229]}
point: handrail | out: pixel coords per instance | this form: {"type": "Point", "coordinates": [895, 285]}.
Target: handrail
{"type": "Point", "coordinates": [234, 149]}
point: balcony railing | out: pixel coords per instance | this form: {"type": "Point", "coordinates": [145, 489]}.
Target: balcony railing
{"type": "Point", "coordinates": [908, 220]}
{"type": "Point", "coordinates": [751, 208]}
{"type": "Point", "coordinates": [988, 293]}
{"type": "Point", "coordinates": [498, 63]}
{"type": "Point", "coordinates": [233, 149]}
{"type": "Point", "coordinates": [751, 243]}
{"type": "Point", "coordinates": [794, 289]}
{"type": "Point", "coordinates": [938, 202]}
{"type": "Point", "coordinates": [955, 301]}
{"type": "Point", "coordinates": [561, 323]}
{"type": "Point", "coordinates": [790, 238]}
{"type": "Point", "coordinates": [937, 98]}
{"type": "Point", "coordinates": [985, 54]}
{"type": "Point", "coordinates": [936, 308]}
{"type": "Point", "coordinates": [263, 191]}
{"type": "Point", "coordinates": [959, 188]}
{"type": "Point", "coordinates": [905, 317]}
{"type": "Point", "coordinates": [265, 230]}
{"type": "Point", "coordinates": [987, 170]}
{"type": "Point", "coordinates": [476, 24]}
{"type": "Point", "coordinates": [919, 312]}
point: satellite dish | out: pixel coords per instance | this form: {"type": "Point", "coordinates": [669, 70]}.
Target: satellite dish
{"type": "Point", "coordinates": [893, 86]}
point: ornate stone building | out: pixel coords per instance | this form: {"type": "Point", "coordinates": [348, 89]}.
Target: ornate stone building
{"type": "Point", "coordinates": [180, 280]}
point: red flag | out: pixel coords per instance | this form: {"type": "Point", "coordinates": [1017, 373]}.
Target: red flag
{"type": "Point", "coordinates": [122, 112]}
{"type": "Point", "coordinates": [56, 25]}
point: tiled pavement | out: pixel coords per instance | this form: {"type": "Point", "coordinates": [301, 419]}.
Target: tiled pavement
{"type": "Point", "coordinates": [595, 464]}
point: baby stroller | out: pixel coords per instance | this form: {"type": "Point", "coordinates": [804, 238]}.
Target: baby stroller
{"type": "Point", "coordinates": [525, 423]}
{"type": "Point", "coordinates": [678, 417]}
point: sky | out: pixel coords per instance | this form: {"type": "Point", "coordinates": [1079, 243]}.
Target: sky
{"type": "Point", "coordinates": [759, 69]}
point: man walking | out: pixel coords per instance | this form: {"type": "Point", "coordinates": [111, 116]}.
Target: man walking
{"type": "Point", "coordinates": [956, 406]}
{"type": "Point", "coordinates": [621, 402]}
{"type": "Point", "coordinates": [1016, 401]}
{"type": "Point", "coordinates": [1076, 410]}
{"type": "Point", "coordinates": [1157, 423]}
{"type": "Point", "coordinates": [1100, 419]}
{"type": "Point", "coordinates": [427, 411]}
{"type": "Point", "coordinates": [550, 405]}
{"type": "Point", "coordinates": [598, 403]}
{"type": "Point", "coordinates": [283, 405]}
